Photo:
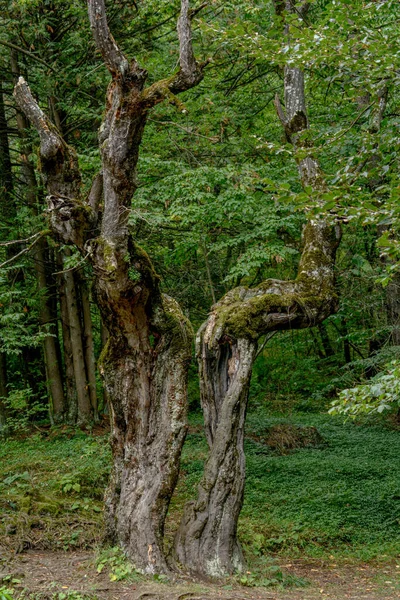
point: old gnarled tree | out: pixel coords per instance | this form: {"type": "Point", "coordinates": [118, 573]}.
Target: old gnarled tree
{"type": "Point", "coordinates": [226, 347]}
{"type": "Point", "coordinates": [145, 361]}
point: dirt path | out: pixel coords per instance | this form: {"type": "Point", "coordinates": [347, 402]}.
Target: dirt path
{"type": "Point", "coordinates": [49, 572]}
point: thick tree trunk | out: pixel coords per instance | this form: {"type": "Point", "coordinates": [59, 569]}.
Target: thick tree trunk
{"type": "Point", "coordinates": [206, 541]}
{"type": "Point", "coordinates": [144, 365]}
{"type": "Point", "coordinates": [145, 361]}
{"type": "Point", "coordinates": [207, 537]}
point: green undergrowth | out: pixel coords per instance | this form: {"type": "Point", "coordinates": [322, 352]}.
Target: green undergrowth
{"type": "Point", "coordinates": [10, 593]}
{"type": "Point", "coordinates": [337, 499]}
{"type": "Point", "coordinates": [51, 490]}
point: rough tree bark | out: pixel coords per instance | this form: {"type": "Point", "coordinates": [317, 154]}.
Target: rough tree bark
{"type": "Point", "coordinates": [70, 386]}
{"type": "Point", "coordinates": [144, 363]}
{"type": "Point", "coordinates": [51, 355]}
{"type": "Point", "coordinates": [206, 541]}
{"type": "Point", "coordinates": [6, 204]}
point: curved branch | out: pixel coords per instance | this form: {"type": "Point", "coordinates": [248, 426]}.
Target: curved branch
{"type": "Point", "coordinates": [70, 217]}
{"type": "Point", "coordinates": [51, 141]}
{"type": "Point", "coordinates": [190, 72]}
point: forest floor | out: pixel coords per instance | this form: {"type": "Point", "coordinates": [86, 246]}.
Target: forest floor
{"type": "Point", "coordinates": [73, 576]}
{"type": "Point", "coordinates": [321, 516]}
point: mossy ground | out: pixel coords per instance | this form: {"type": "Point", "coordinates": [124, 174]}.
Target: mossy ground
{"type": "Point", "coordinates": [51, 490]}
{"type": "Point", "coordinates": [337, 501]}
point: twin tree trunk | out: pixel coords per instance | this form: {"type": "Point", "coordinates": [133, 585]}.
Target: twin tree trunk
{"type": "Point", "coordinates": [145, 361]}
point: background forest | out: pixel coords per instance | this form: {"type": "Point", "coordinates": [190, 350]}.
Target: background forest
{"type": "Point", "coordinates": [219, 204]}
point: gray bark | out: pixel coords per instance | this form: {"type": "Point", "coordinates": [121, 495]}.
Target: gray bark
{"type": "Point", "coordinates": [51, 355]}
{"type": "Point", "coordinates": [6, 207]}
{"type": "Point", "coordinates": [84, 408]}
{"type": "Point", "coordinates": [3, 394]}
{"type": "Point", "coordinates": [104, 338]}
{"type": "Point", "coordinates": [70, 386]}
{"type": "Point", "coordinates": [88, 344]}
{"type": "Point", "coordinates": [206, 541]}
{"type": "Point", "coordinates": [145, 361]}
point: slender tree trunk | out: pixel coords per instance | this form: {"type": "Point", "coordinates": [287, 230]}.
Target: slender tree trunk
{"type": "Point", "coordinates": [3, 393]}
{"type": "Point", "coordinates": [6, 211]}
{"type": "Point", "coordinates": [51, 353]}
{"type": "Point", "coordinates": [393, 308]}
{"type": "Point", "coordinates": [326, 342]}
{"type": "Point", "coordinates": [84, 412]}
{"type": "Point", "coordinates": [104, 338]}
{"type": "Point", "coordinates": [88, 344]}
{"type": "Point", "coordinates": [70, 386]}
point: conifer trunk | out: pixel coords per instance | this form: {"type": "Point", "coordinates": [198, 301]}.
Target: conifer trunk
{"type": "Point", "coordinates": [70, 386]}
{"type": "Point", "coordinates": [84, 412]}
{"type": "Point", "coordinates": [3, 393]}
{"type": "Point", "coordinates": [88, 344]}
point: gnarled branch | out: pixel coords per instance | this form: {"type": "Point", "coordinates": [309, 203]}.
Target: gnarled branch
{"type": "Point", "coordinates": [226, 345]}
{"type": "Point", "coordinates": [190, 72]}
{"type": "Point", "coordinates": [70, 217]}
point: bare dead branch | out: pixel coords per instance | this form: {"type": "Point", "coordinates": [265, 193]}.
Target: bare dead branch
{"type": "Point", "coordinates": [27, 53]}
{"type": "Point", "coordinates": [195, 11]}
{"type": "Point", "coordinates": [26, 250]}
{"type": "Point", "coordinates": [71, 218]}
{"type": "Point", "coordinates": [187, 61]}
{"type": "Point", "coordinates": [114, 59]}
{"type": "Point", "coordinates": [190, 72]}
{"type": "Point", "coordinates": [28, 239]}
{"type": "Point", "coordinates": [75, 267]}
{"type": "Point", "coordinates": [51, 141]}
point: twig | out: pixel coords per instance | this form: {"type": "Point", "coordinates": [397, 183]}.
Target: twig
{"type": "Point", "coordinates": [267, 338]}
{"type": "Point", "coordinates": [15, 47]}
{"type": "Point", "coordinates": [334, 139]}
{"type": "Point", "coordinates": [10, 243]}
{"type": "Point", "coordinates": [25, 250]}
{"type": "Point", "coordinates": [211, 139]}
{"type": "Point", "coordinates": [74, 267]}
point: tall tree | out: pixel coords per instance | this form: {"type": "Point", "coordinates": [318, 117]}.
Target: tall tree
{"type": "Point", "coordinates": [145, 361]}
{"type": "Point", "coordinates": [226, 347]}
